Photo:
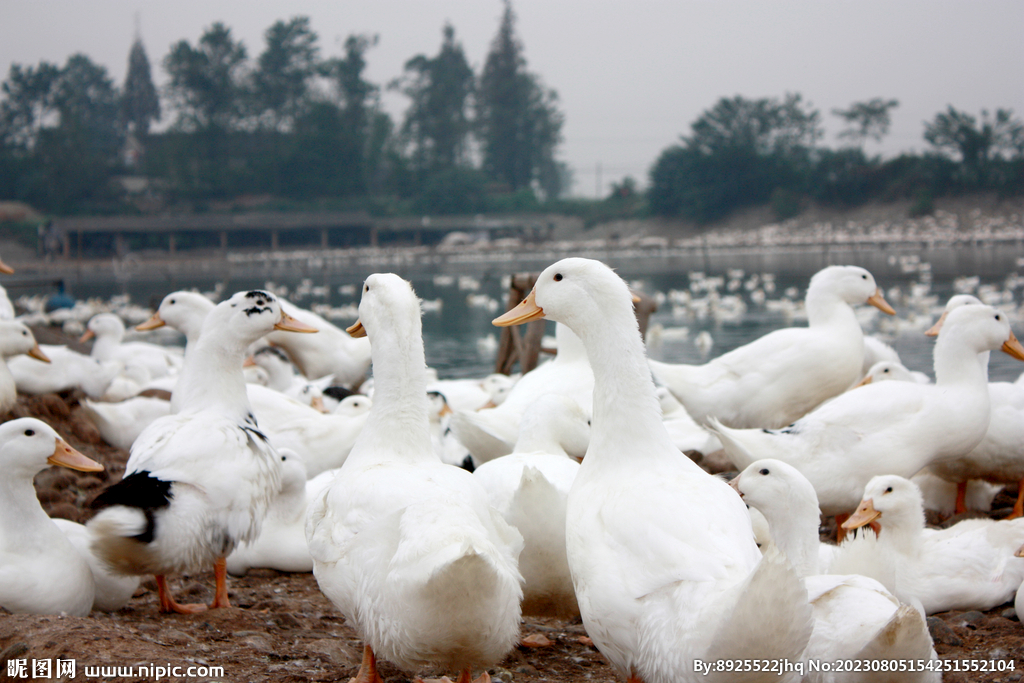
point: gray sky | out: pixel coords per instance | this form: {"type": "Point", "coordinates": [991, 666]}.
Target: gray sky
{"type": "Point", "coordinates": [631, 75]}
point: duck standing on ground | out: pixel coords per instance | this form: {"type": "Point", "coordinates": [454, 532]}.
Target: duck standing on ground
{"type": "Point", "coordinates": [662, 554]}
{"type": "Point", "coordinates": [197, 482]}
{"type": "Point", "coordinates": [40, 570]}
{"type": "Point", "coordinates": [406, 547]}
{"type": "Point", "coordinates": [785, 374]}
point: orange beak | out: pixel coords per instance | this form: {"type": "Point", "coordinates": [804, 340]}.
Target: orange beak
{"type": "Point", "coordinates": [38, 354]}
{"type": "Point", "coordinates": [864, 382]}
{"type": "Point", "coordinates": [1013, 347]}
{"type": "Point", "coordinates": [89, 334]}
{"type": "Point", "coordinates": [933, 331]}
{"type": "Point", "coordinates": [6, 269]}
{"type": "Point", "coordinates": [879, 302]}
{"type": "Point", "coordinates": [290, 324]}
{"type": "Point", "coordinates": [154, 322]}
{"type": "Point", "coordinates": [66, 456]}
{"type": "Point", "coordinates": [356, 330]}
{"type": "Point", "coordinates": [865, 514]}
{"type": "Point", "coordinates": [526, 311]}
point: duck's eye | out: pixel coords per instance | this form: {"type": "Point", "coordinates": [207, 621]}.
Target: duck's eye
{"type": "Point", "coordinates": [30, 432]}
{"type": "Point", "coordinates": [889, 490]}
{"type": "Point", "coordinates": [284, 458]}
{"type": "Point", "coordinates": [997, 317]}
{"type": "Point", "coordinates": [171, 301]}
{"type": "Point", "coordinates": [886, 370]}
{"type": "Point", "coordinates": [24, 333]}
{"type": "Point", "coordinates": [863, 277]}
{"type": "Point", "coordinates": [558, 277]}
{"type": "Point", "coordinates": [764, 471]}
{"type": "Point", "coordinates": [366, 288]}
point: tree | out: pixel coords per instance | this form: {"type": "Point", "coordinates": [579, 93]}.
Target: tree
{"type": "Point", "coordinates": [739, 153]}
{"type": "Point", "coordinates": [518, 121]}
{"type": "Point", "coordinates": [140, 104]}
{"type": "Point", "coordinates": [867, 119]}
{"type": "Point", "coordinates": [978, 146]}
{"type": "Point", "coordinates": [762, 127]}
{"type": "Point", "coordinates": [206, 81]}
{"type": "Point", "coordinates": [358, 109]}
{"type": "Point", "coordinates": [284, 72]}
{"type": "Point", "coordinates": [27, 104]}
{"type": "Point", "coordinates": [437, 122]}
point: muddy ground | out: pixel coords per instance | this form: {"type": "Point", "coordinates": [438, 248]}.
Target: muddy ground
{"type": "Point", "coordinates": [281, 628]}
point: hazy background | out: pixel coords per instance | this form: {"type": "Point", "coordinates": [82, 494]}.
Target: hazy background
{"type": "Point", "coordinates": [631, 76]}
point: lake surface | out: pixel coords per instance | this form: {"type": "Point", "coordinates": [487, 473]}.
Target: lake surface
{"type": "Point", "coordinates": [457, 333]}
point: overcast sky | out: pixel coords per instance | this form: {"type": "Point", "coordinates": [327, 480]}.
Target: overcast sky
{"type": "Point", "coordinates": [631, 75]}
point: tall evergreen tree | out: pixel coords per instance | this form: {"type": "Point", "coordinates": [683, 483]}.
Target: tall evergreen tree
{"type": "Point", "coordinates": [284, 72]}
{"type": "Point", "coordinates": [519, 125]}
{"type": "Point", "coordinates": [140, 104]}
{"type": "Point", "coordinates": [437, 122]}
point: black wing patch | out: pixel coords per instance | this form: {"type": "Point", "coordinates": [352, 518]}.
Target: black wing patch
{"type": "Point", "coordinates": [139, 490]}
{"type": "Point", "coordinates": [338, 393]}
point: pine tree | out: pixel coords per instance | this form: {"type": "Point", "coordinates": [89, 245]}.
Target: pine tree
{"type": "Point", "coordinates": [519, 125]}
{"type": "Point", "coordinates": [140, 104]}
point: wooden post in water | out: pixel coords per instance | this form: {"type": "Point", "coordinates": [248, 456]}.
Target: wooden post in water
{"type": "Point", "coordinates": [513, 346]}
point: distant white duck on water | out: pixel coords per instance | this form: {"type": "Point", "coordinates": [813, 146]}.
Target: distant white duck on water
{"type": "Point", "coordinates": [406, 547]}
{"type": "Point", "coordinates": [781, 376]}
{"type": "Point", "coordinates": [198, 482]}
{"type": "Point", "coordinates": [662, 554]}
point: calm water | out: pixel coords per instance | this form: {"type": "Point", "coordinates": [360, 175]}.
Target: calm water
{"type": "Point", "coordinates": [456, 334]}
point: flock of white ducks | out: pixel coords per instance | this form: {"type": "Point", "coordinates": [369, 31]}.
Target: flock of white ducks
{"type": "Point", "coordinates": [433, 565]}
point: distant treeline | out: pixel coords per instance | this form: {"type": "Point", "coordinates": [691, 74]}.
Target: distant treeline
{"type": "Point", "coordinates": [291, 128]}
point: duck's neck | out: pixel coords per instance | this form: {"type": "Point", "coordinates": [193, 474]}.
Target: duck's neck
{"type": "Point", "coordinates": [105, 345]}
{"type": "Point", "coordinates": [795, 532]}
{"type": "Point", "coordinates": [626, 406]}
{"type": "Point", "coordinates": [903, 531]}
{"type": "Point", "coordinates": [212, 379]}
{"type": "Point", "coordinates": [8, 387]}
{"type": "Point", "coordinates": [824, 308]}
{"type": "Point", "coordinates": [20, 511]}
{"type": "Point", "coordinates": [399, 416]}
{"type": "Point", "coordinates": [956, 362]}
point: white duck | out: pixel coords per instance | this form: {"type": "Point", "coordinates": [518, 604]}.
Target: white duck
{"type": "Point", "coordinates": [999, 458]}
{"type": "Point", "coordinates": [783, 375]}
{"type": "Point", "coordinates": [108, 331]}
{"type": "Point", "coordinates": [970, 565]}
{"type": "Point", "coordinates": [67, 369]}
{"type": "Point", "coordinates": [492, 432]}
{"type": "Point", "coordinates": [113, 591]}
{"type": "Point", "coordinates": [197, 482]}
{"type": "Point", "coordinates": [662, 554]}
{"type": "Point", "coordinates": [281, 544]}
{"type": "Point", "coordinates": [15, 339]}
{"type": "Point", "coordinates": [121, 423]}
{"type": "Point", "coordinates": [890, 427]}
{"type": "Point", "coordinates": [332, 352]}
{"type": "Point", "coordinates": [853, 614]}
{"type": "Point", "coordinates": [529, 487]}
{"type": "Point", "coordinates": [405, 546]}
{"type": "Point", "coordinates": [447, 447]}
{"type": "Point", "coordinates": [40, 570]}
{"type": "Point", "coordinates": [323, 441]}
